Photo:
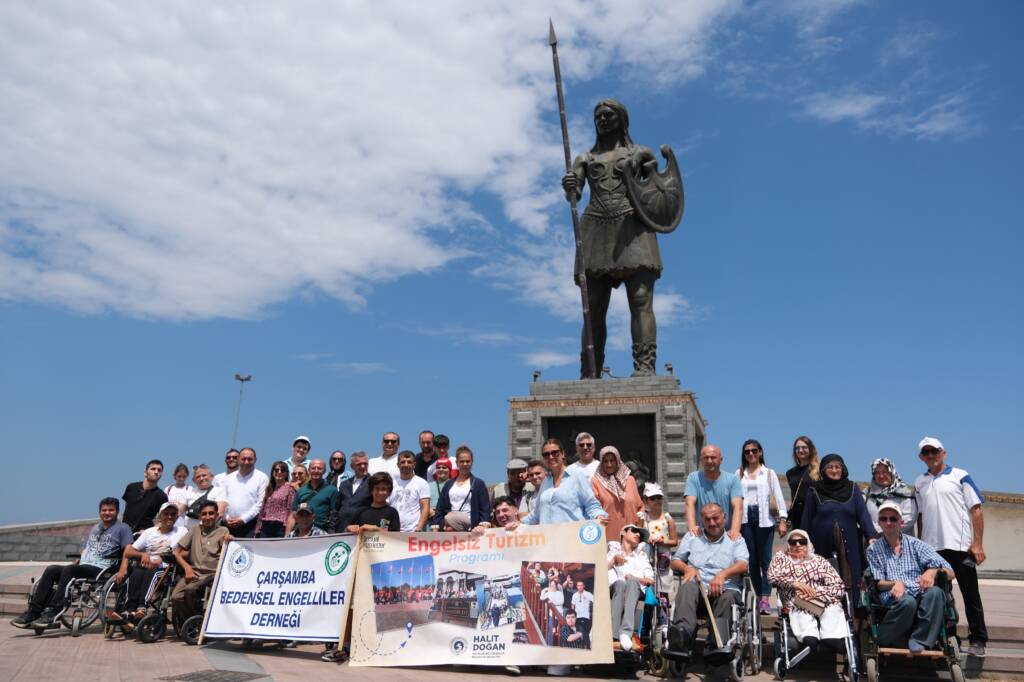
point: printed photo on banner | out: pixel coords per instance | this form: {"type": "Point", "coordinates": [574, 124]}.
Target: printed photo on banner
{"type": "Point", "coordinates": [525, 597]}
{"type": "Point", "coordinates": [560, 596]}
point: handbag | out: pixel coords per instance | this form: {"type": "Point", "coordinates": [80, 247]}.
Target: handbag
{"type": "Point", "coordinates": [815, 607]}
{"type": "Point", "coordinates": [193, 509]}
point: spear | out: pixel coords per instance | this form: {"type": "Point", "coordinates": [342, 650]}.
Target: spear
{"type": "Point", "coordinates": [579, 270]}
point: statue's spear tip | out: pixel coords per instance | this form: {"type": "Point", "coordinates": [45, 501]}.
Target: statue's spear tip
{"type": "Point", "coordinates": [552, 39]}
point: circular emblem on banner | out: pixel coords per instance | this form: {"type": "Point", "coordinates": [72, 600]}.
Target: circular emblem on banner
{"type": "Point", "coordinates": [590, 532]}
{"type": "Point", "coordinates": [458, 646]}
{"type": "Point", "coordinates": [240, 561]}
{"type": "Point", "coordinates": [337, 557]}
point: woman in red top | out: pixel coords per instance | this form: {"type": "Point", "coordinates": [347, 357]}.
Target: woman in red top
{"type": "Point", "coordinates": [277, 503]}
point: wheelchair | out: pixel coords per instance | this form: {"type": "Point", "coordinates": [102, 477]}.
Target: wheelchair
{"type": "Point", "coordinates": [742, 646]}
{"type": "Point", "coordinates": [190, 629]}
{"type": "Point", "coordinates": [83, 601]}
{"type": "Point", "coordinates": [153, 625]}
{"type": "Point", "coordinates": [789, 653]}
{"type": "Point", "coordinates": [946, 648]}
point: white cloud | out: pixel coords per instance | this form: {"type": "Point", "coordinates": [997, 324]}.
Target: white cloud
{"type": "Point", "coordinates": [843, 105]}
{"type": "Point", "coordinates": [361, 367]}
{"type": "Point", "coordinates": [545, 359]}
{"type": "Point", "coordinates": [201, 161]}
{"type": "Point", "coordinates": [910, 43]}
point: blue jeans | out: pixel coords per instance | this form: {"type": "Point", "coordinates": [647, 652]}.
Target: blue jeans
{"type": "Point", "coordinates": [759, 546]}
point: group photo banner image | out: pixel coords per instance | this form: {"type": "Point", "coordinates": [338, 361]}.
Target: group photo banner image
{"type": "Point", "coordinates": [291, 589]}
{"type": "Point", "coordinates": [523, 597]}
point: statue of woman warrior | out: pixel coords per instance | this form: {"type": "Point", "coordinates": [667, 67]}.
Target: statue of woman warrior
{"type": "Point", "coordinates": [630, 201]}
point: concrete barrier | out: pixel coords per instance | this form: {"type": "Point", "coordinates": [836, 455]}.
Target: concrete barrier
{"type": "Point", "coordinates": [51, 541]}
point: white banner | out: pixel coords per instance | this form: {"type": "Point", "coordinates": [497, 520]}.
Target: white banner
{"type": "Point", "coordinates": [298, 588]}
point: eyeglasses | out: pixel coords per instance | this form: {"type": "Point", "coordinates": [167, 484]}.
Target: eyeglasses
{"type": "Point", "coordinates": [390, 440]}
{"type": "Point", "coordinates": [797, 541]}
{"type": "Point", "coordinates": [751, 452]}
{"type": "Point", "coordinates": [551, 453]}
{"type": "Point", "coordinates": [889, 519]}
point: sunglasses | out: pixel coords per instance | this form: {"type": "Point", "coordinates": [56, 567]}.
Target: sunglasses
{"type": "Point", "coordinates": [586, 446]}
{"type": "Point", "coordinates": [751, 452]}
{"type": "Point", "coordinates": [337, 459]}
{"type": "Point", "coordinates": [297, 474]}
{"type": "Point", "coordinates": [390, 440]}
{"type": "Point", "coordinates": [797, 541]}
{"type": "Point", "coordinates": [550, 454]}
{"type": "Point", "coordinates": [928, 452]}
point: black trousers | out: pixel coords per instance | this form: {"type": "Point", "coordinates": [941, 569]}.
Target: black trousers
{"type": "Point", "coordinates": [44, 594]}
{"type": "Point", "coordinates": [967, 578]}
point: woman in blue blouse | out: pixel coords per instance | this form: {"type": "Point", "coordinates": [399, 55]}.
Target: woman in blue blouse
{"type": "Point", "coordinates": [564, 495]}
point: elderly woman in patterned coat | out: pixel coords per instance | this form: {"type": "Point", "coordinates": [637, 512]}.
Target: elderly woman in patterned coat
{"type": "Point", "coordinates": [800, 574]}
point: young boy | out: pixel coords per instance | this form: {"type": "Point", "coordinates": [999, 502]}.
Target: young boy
{"type": "Point", "coordinates": [379, 516]}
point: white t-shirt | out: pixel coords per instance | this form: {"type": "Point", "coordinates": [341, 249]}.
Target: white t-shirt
{"type": "Point", "coordinates": [216, 495]}
{"type": "Point", "coordinates": [945, 503]}
{"type": "Point", "coordinates": [155, 543]}
{"type": "Point", "coordinates": [461, 495]}
{"type": "Point", "coordinates": [581, 602]}
{"type": "Point", "coordinates": [218, 480]}
{"type": "Point", "coordinates": [556, 597]}
{"type": "Point", "coordinates": [587, 470]}
{"type": "Point", "coordinates": [389, 465]}
{"type": "Point", "coordinates": [405, 497]}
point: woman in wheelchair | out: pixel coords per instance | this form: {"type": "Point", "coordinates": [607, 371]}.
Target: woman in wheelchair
{"type": "Point", "coordinates": [811, 592]}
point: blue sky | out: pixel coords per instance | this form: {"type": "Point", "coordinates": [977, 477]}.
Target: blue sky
{"type": "Point", "coordinates": [359, 207]}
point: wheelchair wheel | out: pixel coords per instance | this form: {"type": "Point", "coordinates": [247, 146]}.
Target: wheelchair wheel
{"type": "Point", "coordinates": [677, 670]}
{"type": "Point", "coordinates": [109, 600]}
{"type": "Point", "coordinates": [736, 667]}
{"type": "Point", "coordinates": [76, 623]}
{"type": "Point", "coordinates": [871, 669]}
{"type": "Point", "coordinates": [780, 669]}
{"type": "Point", "coordinates": [755, 652]}
{"type": "Point", "coordinates": [151, 628]}
{"type": "Point", "coordinates": [191, 629]}
{"type": "Point", "coordinates": [956, 673]}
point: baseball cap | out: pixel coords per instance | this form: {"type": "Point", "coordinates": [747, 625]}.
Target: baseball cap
{"type": "Point", "coordinates": [890, 505]}
{"type": "Point", "coordinates": [928, 441]}
{"type": "Point", "coordinates": [304, 508]}
{"type": "Point", "coordinates": [639, 529]}
{"type": "Point", "coordinates": [304, 440]}
{"type": "Point", "coordinates": [515, 464]}
{"type": "Point", "coordinates": [652, 489]}
{"type": "Point", "coordinates": [167, 505]}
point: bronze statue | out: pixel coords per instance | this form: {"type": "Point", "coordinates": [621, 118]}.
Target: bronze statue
{"type": "Point", "coordinates": [630, 201]}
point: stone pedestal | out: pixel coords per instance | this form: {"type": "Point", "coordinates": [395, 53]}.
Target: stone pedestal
{"type": "Point", "coordinates": [647, 418]}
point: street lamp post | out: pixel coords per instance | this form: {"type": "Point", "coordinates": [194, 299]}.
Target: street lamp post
{"type": "Point", "coordinates": [238, 408]}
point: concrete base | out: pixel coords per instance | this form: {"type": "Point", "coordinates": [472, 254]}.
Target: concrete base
{"type": "Point", "coordinates": [649, 419]}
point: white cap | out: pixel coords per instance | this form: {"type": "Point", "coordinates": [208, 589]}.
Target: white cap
{"type": "Point", "coordinates": [652, 489]}
{"type": "Point", "coordinates": [304, 439]}
{"type": "Point", "coordinates": [929, 441]}
{"type": "Point", "coordinates": [167, 505]}
{"type": "Point", "coordinates": [889, 504]}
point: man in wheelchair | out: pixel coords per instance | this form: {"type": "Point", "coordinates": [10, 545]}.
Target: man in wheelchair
{"type": "Point", "coordinates": [100, 553]}
{"type": "Point", "coordinates": [153, 545]}
{"type": "Point", "coordinates": [906, 569]}
{"type": "Point", "coordinates": [715, 562]}
{"type": "Point", "coordinates": [198, 554]}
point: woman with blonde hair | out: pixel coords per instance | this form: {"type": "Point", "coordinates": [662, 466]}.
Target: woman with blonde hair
{"type": "Point", "coordinates": [801, 477]}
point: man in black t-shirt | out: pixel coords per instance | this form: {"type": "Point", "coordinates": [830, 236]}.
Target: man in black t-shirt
{"type": "Point", "coordinates": [142, 499]}
{"type": "Point", "coordinates": [426, 456]}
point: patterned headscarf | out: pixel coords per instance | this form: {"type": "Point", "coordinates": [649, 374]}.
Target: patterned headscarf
{"type": "Point", "coordinates": [898, 488]}
{"type": "Point", "coordinates": [616, 483]}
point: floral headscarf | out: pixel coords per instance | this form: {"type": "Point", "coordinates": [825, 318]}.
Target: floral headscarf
{"type": "Point", "coordinates": [616, 483]}
{"type": "Point", "coordinates": [898, 488]}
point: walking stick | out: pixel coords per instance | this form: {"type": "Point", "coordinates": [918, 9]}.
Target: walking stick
{"type": "Point", "coordinates": [711, 614]}
{"type": "Point", "coordinates": [579, 269]}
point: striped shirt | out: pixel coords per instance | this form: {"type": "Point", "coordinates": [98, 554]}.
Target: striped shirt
{"type": "Point", "coordinates": [915, 557]}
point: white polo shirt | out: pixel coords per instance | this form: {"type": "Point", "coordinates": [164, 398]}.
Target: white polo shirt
{"type": "Point", "coordinates": [945, 503]}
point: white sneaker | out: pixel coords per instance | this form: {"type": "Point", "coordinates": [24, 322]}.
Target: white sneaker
{"type": "Point", "coordinates": [626, 641]}
{"type": "Point", "coordinates": [513, 670]}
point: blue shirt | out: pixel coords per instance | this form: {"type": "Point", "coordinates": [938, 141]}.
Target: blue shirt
{"type": "Point", "coordinates": [711, 558]}
{"type": "Point", "coordinates": [572, 500]}
{"type": "Point", "coordinates": [915, 557]}
{"type": "Point", "coordinates": [721, 491]}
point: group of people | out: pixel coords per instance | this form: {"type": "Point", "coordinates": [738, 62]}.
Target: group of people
{"type": "Point", "coordinates": [905, 533]}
